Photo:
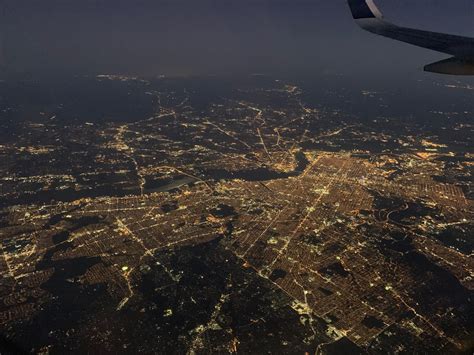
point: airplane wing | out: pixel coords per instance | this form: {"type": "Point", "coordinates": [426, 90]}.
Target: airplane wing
{"type": "Point", "coordinates": [369, 17]}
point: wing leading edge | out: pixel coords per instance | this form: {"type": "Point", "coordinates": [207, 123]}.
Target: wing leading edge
{"type": "Point", "coordinates": [369, 17]}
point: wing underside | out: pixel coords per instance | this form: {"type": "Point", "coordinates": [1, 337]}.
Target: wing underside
{"type": "Point", "coordinates": [370, 18]}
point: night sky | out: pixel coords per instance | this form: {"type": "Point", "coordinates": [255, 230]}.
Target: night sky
{"type": "Point", "coordinates": [195, 37]}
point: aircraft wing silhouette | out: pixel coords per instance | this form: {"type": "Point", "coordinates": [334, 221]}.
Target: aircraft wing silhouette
{"type": "Point", "coordinates": [368, 16]}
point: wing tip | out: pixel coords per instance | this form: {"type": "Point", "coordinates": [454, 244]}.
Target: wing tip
{"type": "Point", "coordinates": [364, 9]}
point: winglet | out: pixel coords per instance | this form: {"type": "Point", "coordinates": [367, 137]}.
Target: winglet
{"type": "Point", "coordinates": [364, 9]}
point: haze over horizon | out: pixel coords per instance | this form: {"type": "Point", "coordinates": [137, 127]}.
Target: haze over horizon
{"type": "Point", "coordinates": [276, 37]}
